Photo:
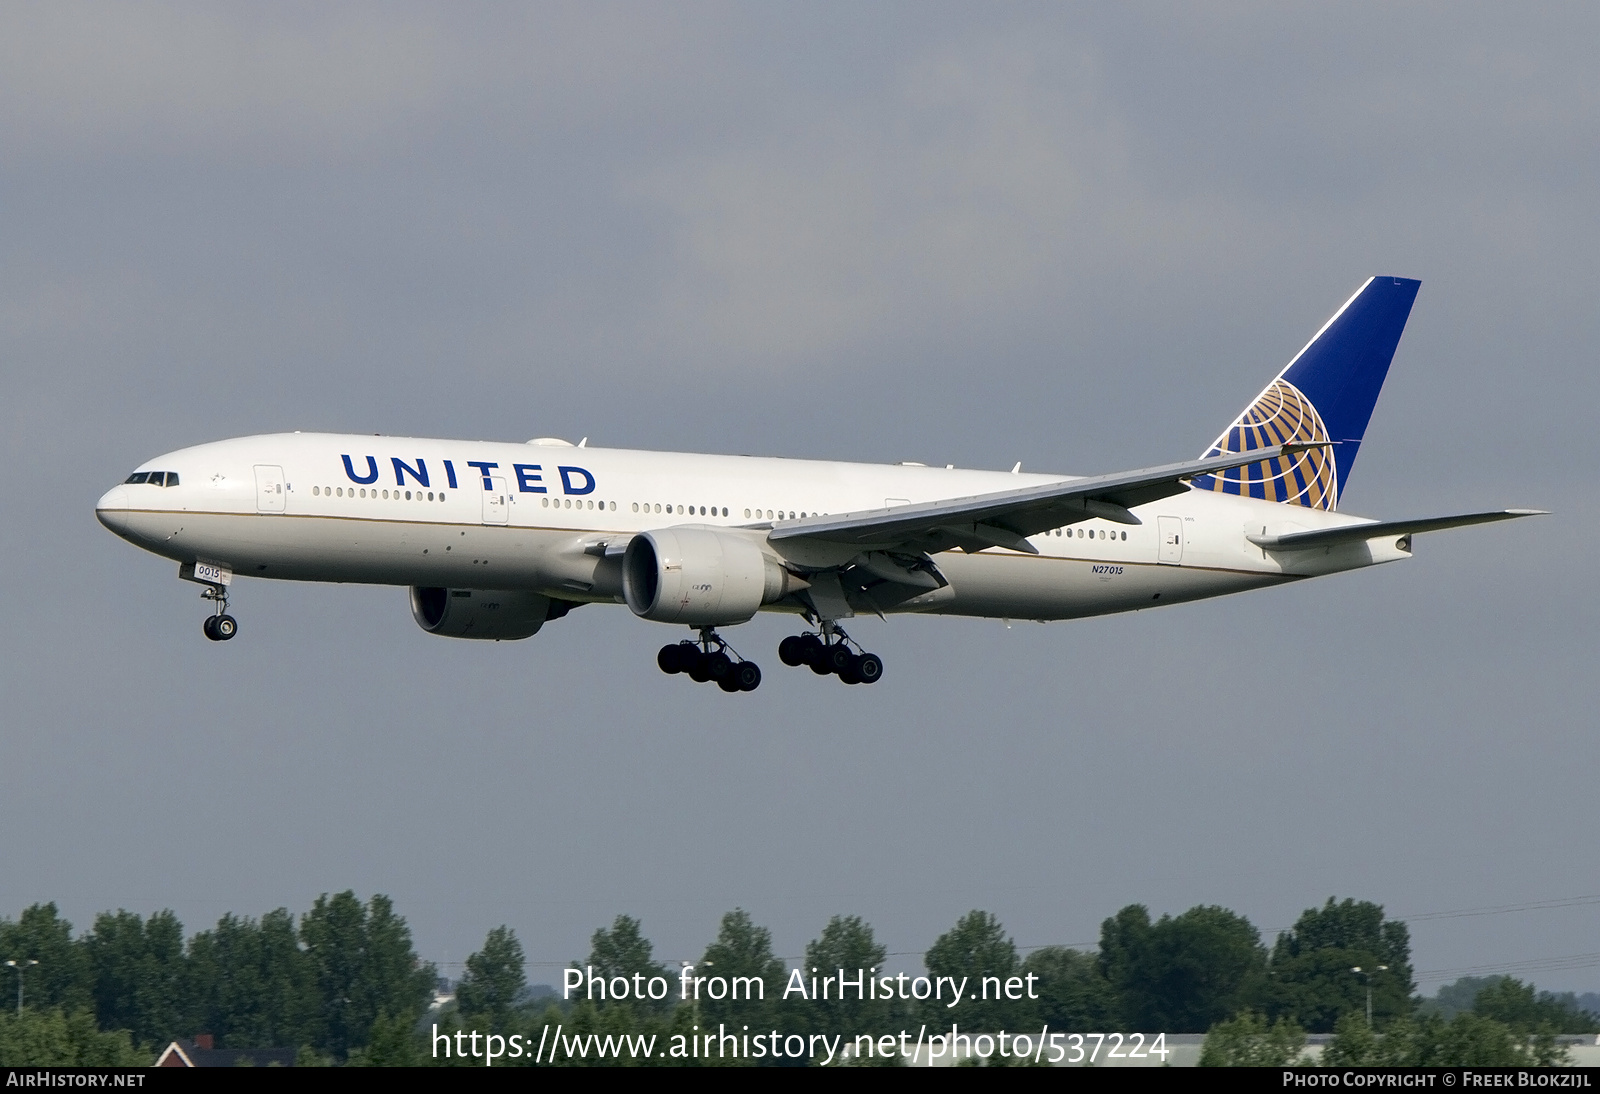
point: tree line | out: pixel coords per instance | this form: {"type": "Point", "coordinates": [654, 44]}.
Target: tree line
{"type": "Point", "coordinates": [344, 985]}
{"type": "Point", "coordinates": [322, 983]}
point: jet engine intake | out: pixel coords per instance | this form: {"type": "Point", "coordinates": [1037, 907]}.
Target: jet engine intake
{"type": "Point", "coordinates": [478, 613]}
{"type": "Point", "coordinates": [701, 577]}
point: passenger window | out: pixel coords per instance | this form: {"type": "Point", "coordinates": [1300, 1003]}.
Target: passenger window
{"type": "Point", "coordinates": [316, 491]}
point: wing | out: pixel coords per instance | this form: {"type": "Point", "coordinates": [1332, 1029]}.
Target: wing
{"type": "Point", "coordinates": [1007, 518]}
{"type": "Point", "coordinates": [1356, 533]}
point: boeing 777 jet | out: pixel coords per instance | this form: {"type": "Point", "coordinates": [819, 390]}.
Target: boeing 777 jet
{"type": "Point", "coordinates": [494, 540]}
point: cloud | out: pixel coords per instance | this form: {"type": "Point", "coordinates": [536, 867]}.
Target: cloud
{"type": "Point", "coordinates": [258, 83]}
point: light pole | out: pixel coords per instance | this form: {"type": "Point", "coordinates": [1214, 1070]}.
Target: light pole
{"type": "Point", "coordinates": [696, 1005]}
{"type": "Point", "coordinates": [1367, 975]}
{"type": "Point", "coordinates": [19, 966]}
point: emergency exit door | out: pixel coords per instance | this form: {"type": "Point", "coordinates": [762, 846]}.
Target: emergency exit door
{"type": "Point", "coordinates": [496, 502]}
{"type": "Point", "coordinates": [269, 489]}
{"type": "Point", "coordinates": [1171, 531]}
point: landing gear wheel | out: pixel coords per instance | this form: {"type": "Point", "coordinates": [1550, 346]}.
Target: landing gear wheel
{"type": "Point", "coordinates": [837, 658]}
{"type": "Point", "coordinates": [697, 664]}
{"type": "Point", "coordinates": [224, 627]}
{"type": "Point", "coordinates": [728, 684]}
{"type": "Point", "coordinates": [674, 658]}
{"type": "Point", "coordinates": [746, 676]}
{"type": "Point", "coordinates": [208, 627]}
{"type": "Point", "coordinates": [719, 666]}
{"type": "Point", "coordinates": [868, 668]}
{"type": "Point", "coordinates": [792, 651]}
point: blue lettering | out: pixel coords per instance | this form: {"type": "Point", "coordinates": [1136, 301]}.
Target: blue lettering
{"type": "Point", "coordinates": [402, 469]}
{"type": "Point", "coordinates": [526, 477]}
{"type": "Point", "coordinates": [566, 480]}
{"type": "Point", "coordinates": [372, 471]}
{"type": "Point", "coordinates": [483, 469]}
{"type": "Point", "coordinates": [450, 473]}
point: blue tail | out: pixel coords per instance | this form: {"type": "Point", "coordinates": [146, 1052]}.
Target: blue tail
{"type": "Point", "coordinates": [1325, 394]}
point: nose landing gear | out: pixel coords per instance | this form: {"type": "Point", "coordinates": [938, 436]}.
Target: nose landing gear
{"type": "Point", "coordinates": [704, 664]}
{"type": "Point", "coordinates": [220, 626]}
{"type": "Point", "coordinates": [829, 654]}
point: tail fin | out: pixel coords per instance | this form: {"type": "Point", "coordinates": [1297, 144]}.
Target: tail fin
{"type": "Point", "coordinates": [1325, 394]}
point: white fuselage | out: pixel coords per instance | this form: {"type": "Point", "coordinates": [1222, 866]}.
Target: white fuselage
{"type": "Point", "coordinates": [489, 515]}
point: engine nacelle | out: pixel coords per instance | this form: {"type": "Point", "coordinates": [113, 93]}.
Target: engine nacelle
{"type": "Point", "coordinates": [477, 613]}
{"type": "Point", "coordinates": [701, 577]}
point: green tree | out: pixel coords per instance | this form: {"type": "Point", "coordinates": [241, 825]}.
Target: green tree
{"type": "Point", "coordinates": [363, 965]}
{"type": "Point", "coordinates": [1453, 998]}
{"type": "Point", "coordinates": [1518, 1006]}
{"type": "Point", "coordinates": [1074, 994]}
{"type": "Point", "coordinates": [51, 1038]}
{"type": "Point", "coordinates": [846, 950]}
{"type": "Point", "coordinates": [978, 949]}
{"type": "Point", "coordinates": [624, 951]}
{"type": "Point", "coordinates": [1183, 973]}
{"type": "Point", "coordinates": [1250, 1041]}
{"type": "Point", "coordinates": [488, 991]}
{"type": "Point", "coordinates": [393, 1043]}
{"type": "Point", "coordinates": [139, 974]}
{"type": "Point", "coordinates": [741, 956]}
{"type": "Point", "coordinates": [1311, 965]}
{"type": "Point", "coordinates": [1467, 1040]}
{"type": "Point", "coordinates": [62, 977]}
{"type": "Point", "coordinates": [251, 985]}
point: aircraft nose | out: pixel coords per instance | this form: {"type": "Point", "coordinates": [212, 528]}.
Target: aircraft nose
{"type": "Point", "coordinates": [112, 509]}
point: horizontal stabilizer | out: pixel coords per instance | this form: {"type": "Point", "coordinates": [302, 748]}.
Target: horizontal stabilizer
{"type": "Point", "coordinates": [1358, 533]}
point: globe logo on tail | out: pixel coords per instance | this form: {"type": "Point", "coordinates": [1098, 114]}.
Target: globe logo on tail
{"type": "Point", "coordinates": [1280, 415]}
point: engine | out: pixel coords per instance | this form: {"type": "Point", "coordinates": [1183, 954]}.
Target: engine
{"type": "Point", "coordinates": [701, 577]}
{"type": "Point", "coordinates": [476, 613]}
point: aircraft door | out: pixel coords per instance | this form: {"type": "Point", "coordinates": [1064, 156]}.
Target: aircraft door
{"type": "Point", "coordinates": [270, 496]}
{"type": "Point", "coordinates": [1171, 529]}
{"type": "Point", "coordinates": [496, 502]}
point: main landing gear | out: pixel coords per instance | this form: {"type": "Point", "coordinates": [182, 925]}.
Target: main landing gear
{"type": "Point", "coordinates": [221, 626]}
{"type": "Point", "coordinates": [829, 654]}
{"type": "Point", "coordinates": [705, 664]}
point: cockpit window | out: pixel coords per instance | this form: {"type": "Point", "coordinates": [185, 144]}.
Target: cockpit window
{"type": "Point", "coordinates": [172, 478]}
{"type": "Point", "coordinates": [138, 477]}
{"type": "Point", "coordinates": [154, 478]}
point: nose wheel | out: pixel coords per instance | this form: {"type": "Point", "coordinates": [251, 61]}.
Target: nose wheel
{"type": "Point", "coordinates": [219, 626]}
{"type": "Point", "coordinates": [710, 660]}
{"type": "Point", "coordinates": [829, 654]}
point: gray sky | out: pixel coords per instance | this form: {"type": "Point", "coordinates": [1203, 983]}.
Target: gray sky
{"type": "Point", "coordinates": [1080, 237]}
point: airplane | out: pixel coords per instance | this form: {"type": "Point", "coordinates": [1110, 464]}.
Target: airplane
{"type": "Point", "coordinates": [496, 539]}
